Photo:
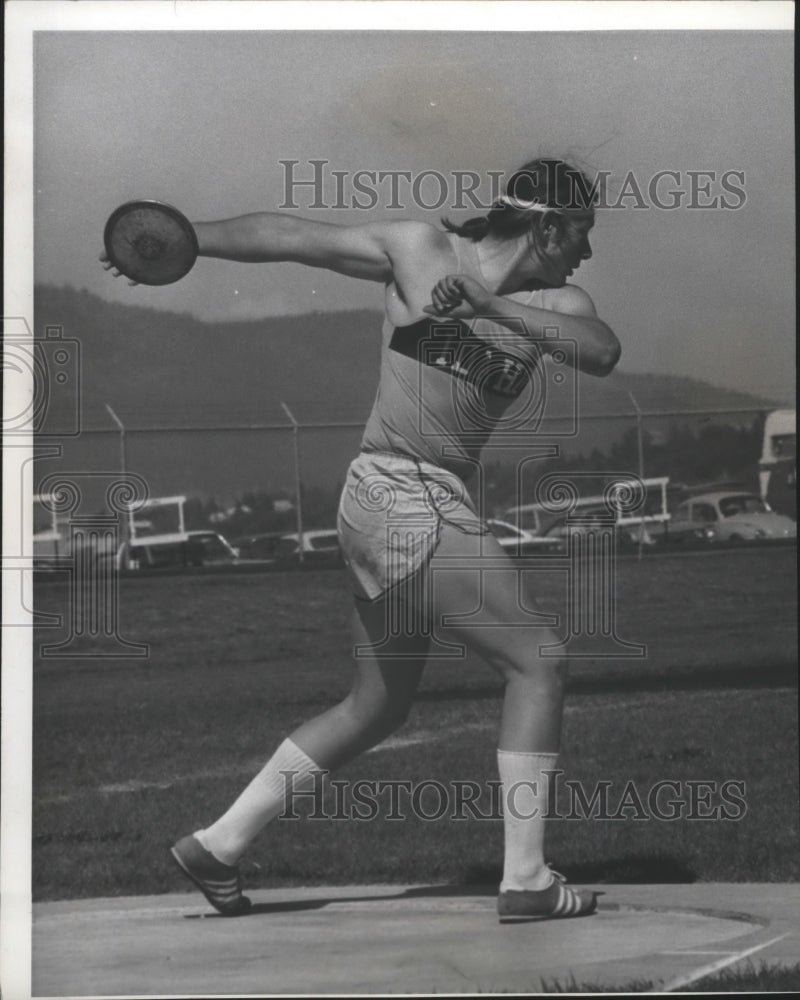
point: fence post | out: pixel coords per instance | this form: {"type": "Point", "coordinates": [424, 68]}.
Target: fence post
{"type": "Point", "coordinates": [297, 480]}
{"type": "Point", "coordinates": [640, 448]}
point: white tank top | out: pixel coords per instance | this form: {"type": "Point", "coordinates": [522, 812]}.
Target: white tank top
{"type": "Point", "coordinates": [443, 389]}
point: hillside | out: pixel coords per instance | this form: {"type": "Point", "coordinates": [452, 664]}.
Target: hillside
{"type": "Point", "coordinates": [158, 368]}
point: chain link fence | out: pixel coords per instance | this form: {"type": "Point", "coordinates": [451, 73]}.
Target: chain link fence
{"type": "Point", "coordinates": [246, 478]}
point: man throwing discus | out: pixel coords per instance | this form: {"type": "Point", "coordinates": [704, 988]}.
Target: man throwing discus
{"type": "Point", "coordinates": [468, 310]}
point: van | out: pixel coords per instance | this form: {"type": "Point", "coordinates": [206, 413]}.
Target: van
{"type": "Point", "coordinates": [777, 469]}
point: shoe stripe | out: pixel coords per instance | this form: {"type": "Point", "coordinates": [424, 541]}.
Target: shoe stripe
{"type": "Point", "coordinates": [221, 892]}
{"type": "Point", "coordinates": [529, 904]}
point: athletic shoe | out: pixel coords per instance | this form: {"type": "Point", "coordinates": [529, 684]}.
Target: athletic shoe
{"type": "Point", "coordinates": [555, 902]}
{"type": "Point", "coordinates": [220, 884]}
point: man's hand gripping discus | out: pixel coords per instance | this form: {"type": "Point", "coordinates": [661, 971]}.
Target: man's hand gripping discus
{"type": "Point", "coordinates": [151, 243]}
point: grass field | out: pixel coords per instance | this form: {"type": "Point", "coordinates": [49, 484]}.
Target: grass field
{"type": "Point", "coordinates": [130, 754]}
{"type": "Point", "coordinates": [744, 978]}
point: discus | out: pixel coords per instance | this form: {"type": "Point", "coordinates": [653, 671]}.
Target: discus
{"type": "Point", "coordinates": [150, 242]}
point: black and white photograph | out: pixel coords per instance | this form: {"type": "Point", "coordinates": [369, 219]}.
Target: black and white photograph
{"type": "Point", "coordinates": [399, 513]}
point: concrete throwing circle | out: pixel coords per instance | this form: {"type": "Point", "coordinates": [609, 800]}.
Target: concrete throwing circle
{"type": "Point", "coordinates": [375, 939]}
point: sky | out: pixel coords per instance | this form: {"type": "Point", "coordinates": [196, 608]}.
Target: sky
{"type": "Point", "coordinates": [203, 119]}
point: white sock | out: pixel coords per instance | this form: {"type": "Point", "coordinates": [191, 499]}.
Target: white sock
{"type": "Point", "coordinates": [261, 801]}
{"type": "Point", "coordinates": [525, 798]}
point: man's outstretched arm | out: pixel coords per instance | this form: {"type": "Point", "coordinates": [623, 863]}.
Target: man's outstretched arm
{"type": "Point", "coordinates": [264, 237]}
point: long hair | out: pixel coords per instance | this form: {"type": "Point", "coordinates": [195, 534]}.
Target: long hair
{"type": "Point", "coordinates": [544, 183]}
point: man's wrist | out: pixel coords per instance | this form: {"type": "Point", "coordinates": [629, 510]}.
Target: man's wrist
{"type": "Point", "coordinates": [493, 306]}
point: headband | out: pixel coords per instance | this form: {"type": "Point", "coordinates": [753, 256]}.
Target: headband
{"type": "Point", "coordinates": [526, 206]}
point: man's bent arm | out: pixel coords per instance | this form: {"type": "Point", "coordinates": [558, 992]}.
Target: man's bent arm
{"type": "Point", "coordinates": [574, 317]}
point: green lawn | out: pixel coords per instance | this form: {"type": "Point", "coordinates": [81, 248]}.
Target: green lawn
{"type": "Point", "coordinates": [745, 977]}
{"type": "Point", "coordinates": [129, 755]}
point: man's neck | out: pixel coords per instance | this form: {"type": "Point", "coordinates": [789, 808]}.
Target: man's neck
{"type": "Point", "coordinates": [510, 266]}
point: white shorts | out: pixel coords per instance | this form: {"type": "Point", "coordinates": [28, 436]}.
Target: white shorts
{"type": "Point", "coordinates": [390, 515]}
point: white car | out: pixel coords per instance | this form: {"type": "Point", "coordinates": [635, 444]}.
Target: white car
{"type": "Point", "coordinates": [321, 546]}
{"type": "Point", "coordinates": [728, 517]}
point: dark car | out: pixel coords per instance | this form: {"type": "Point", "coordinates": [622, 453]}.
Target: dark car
{"type": "Point", "coordinates": [261, 547]}
{"type": "Point", "coordinates": [594, 519]}
{"type": "Point", "coordinates": [196, 548]}
{"type": "Point", "coordinates": [208, 547]}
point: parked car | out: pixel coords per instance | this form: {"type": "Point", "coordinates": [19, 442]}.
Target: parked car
{"type": "Point", "coordinates": [519, 541]}
{"type": "Point", "coordinates": [204, 547]}
{"type": "Point", "coordinates": [590, 519]}
{"type": "Point", "coordinates": [321, 546]}
{"type": "Point", "coordinates": [727, 517]}
{"type": "Point", "coordinates": [193, 548]}
{"type": "Point", "coordinates": [545, 522]}
{"type": "Point", "coordinates": [258, 546]}
{"type": "Point", "coordinates": [54, 549]}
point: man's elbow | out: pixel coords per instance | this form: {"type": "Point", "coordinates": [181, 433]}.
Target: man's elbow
{"type": "Point", "coordinates": [604, 354]}
{"type": "Point", "coordinates": [598, 348]}
{"type": "Point", "coordinates": [609, 355]}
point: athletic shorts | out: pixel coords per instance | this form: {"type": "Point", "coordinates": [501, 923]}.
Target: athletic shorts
{"type": "Point", "coordinates": [390, 516]}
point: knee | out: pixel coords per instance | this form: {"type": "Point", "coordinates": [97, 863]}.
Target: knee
{"type": "Point", "coordinates": [537, 670]}
{"type": "Point", "coordinates": [381, 715]}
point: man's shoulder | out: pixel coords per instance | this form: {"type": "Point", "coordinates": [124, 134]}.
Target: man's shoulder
{"type": "Point", "coordinates": [570, 299]}
{"type": "Point", "coordinates": [566, 298]}
{"type": "Point", "coordinates": [413, 235]}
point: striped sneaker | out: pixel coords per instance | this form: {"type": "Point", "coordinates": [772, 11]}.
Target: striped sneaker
{"type": "Point", "coordinates": [220, 884]}
{"type": "Point", "coordinates": [554, 902]}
